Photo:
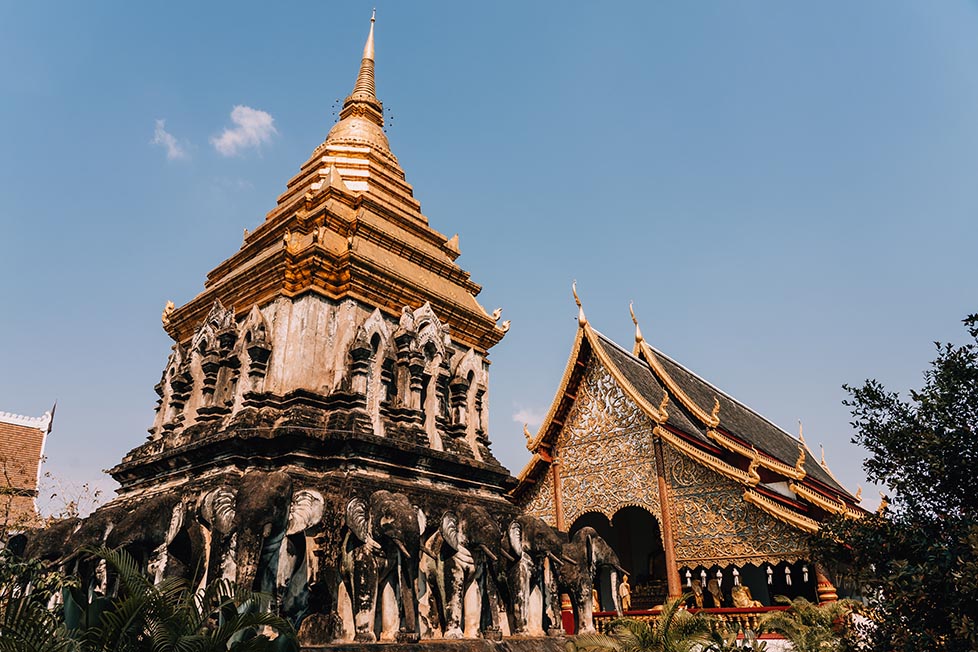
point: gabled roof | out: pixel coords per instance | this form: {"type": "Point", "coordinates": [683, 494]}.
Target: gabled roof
{"type": "Point", "coordinates": [21, 449]}
{"type": "Point", "coordinates": [725, 438]}
{"type": "Point", "coordinates": [737, 419]}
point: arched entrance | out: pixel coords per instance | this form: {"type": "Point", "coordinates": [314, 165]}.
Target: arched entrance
{"type": "Point", "coordinates": [634, 535]}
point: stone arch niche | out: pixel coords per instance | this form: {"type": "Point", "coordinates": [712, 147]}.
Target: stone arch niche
{"type": "Point", "coordinates": [634, 534]}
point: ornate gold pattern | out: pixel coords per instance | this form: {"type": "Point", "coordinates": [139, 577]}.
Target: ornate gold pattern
{"type": "Point", "coordinates": [815, 498]}
{"type": "Point", "coordinates": [765, 460]}
{"type": "Point", "coordinates": [714, 523]}
{"type": "Point", "coordinates": [703, 457]}
{"type": "Point", "coordinates": [782, 513]}
{"type": "Point", "coordinates": [607, 451]}
{"type": "Point", "coordinates": [657, 414]}
{"type": "Point", "coordinates": [540, 499]}
{"type": "Point", "coordinates": [674, 388]}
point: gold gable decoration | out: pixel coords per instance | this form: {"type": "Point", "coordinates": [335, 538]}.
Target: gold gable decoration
{"type": "Point", "coordinates": [606, 448]}
{"type": "Point", "coordinates": [715, 524]}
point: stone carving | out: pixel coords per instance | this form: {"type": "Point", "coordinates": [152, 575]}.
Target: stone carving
{"type": "Point", "coordinates": [587, 554]}
{"type": "Point", "coordinates": [379, 566]}
{"type": "Point", "coordinates": [713, 522]}
{"type": "Point", "coordinates": [463, 570]}
{"type": "Point", "coordinates": [532, 577]}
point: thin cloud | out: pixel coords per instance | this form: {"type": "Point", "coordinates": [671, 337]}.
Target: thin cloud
{"type": "Point", "coordinates": [529, 416]}
{"type": "Point", "coordinates": [167, 141]}
{"type": "Point", "coordinates": [252, 127]}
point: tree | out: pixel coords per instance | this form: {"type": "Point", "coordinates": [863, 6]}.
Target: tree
{"type": "Point", "coordinates": [165, 617]}
{"type": "Point", "coordinates": [673, 630]}
{"type": "Point", "coordinates": [810, 627]}
{"type": "Point", "coordinates": [918, 556]}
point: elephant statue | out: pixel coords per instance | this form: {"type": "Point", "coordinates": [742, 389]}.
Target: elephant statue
{"type": "Point", "coordinates": [463, 568]}
{"type": "Point", "coordinates": [379, 564]}
{"type": "Point", "coordinates": [591, 554]}
{"type": "Point", "coordinates": [295, 556]}
{"type": "Point", "coordinates": [531, 578]}
{"type": "Point", "coordinates": [149, 531]}
{"type": "Point", "coordinates": [248, 521]}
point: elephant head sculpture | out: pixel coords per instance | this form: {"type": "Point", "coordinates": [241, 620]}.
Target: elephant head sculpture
{"type": "Point", "coordinates": [379, 565]}
{"type": "Point", "coordinates": [247, 523]}
{"type": "Point", "coordinates": [463, 568]}
{"type": "Point", "coordinates": [591, 555]}
{"type": "Point", "coordinates": [148, 532]}
{"type": "Point", "coordinates": [532, 576]}
{"type": "Point", "coordinates": [293, 576]}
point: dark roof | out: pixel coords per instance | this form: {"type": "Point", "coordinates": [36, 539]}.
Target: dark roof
{"type": "Point", "coordinates": [637, 372]}
{"type": "Point", "coordinates": [744, 423]}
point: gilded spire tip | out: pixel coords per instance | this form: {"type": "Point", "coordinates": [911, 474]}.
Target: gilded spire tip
{"type": "Point", "coordinates": [368, 47]}
{"type": "Point", "coordinates": [581, 319]}
{"type": "Point", "coordinates": [801, 434]}
{"type": "Point", "coordinates": [638, 331]}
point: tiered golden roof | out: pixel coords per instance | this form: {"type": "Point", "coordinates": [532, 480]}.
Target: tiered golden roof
{"type": "Point", "coordinates": [348, 226]}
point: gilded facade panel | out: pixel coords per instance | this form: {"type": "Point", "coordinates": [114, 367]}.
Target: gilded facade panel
{"type": "Point", "coordinates": [606, 451]}
{"type": "Point", "coordinates": [540, 499]}
{"type": "Point", "coordinates": [714, 524]}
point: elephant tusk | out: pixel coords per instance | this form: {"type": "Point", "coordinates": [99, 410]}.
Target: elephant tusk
{"type": "Point", "coordinates": [426, 550]}
{"type": "Point", "coordinates": [555, 559]}
{"type": "Point", "coordinates": [569, 560]}
{"type": "Point", "coordinates": [488, 552]}
{"type": "Point", "coordinates": [403, 550]}
{"type": "Point", "coordinates": [505, 554]}
{"type": "Point", "coordinates": [620, 569]}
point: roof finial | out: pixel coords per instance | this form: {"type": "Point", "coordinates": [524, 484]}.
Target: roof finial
{"type": "Point", "coordinates": [801, 435]}
{"type": "Point", "coordinates": [755, 461]}
{"type": "Point", "coordinates": [581, 319]}
{"type": "Point", "coordinates": [800, 463]}
{"type": "Point", "coordinates": [638, 331]}
{"type": "Point", "coordinates": [528, 435]}
{"type": "Point", "coordinates": [822, 448]}
{"type": "Point", "coordinates": [859, 493]}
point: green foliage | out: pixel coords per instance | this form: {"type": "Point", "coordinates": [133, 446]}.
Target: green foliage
{"type": "Point", "coordinates": [166, 617]}
{"type": "Point", "coordinates": [811, 627]}
{"type": "Point", "coordinates": [673, 630]}
{"type": "Point", "coordinates": [918, 558]}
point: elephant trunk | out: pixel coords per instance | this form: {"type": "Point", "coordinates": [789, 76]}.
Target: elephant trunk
{"type": "Point", "coordinates": [406, 580]}
{"type": "Point", "coordinates": [615, 596]}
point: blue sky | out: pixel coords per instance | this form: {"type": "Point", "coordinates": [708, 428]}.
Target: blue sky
{"type": "Point", "coordinates": [786, 190]}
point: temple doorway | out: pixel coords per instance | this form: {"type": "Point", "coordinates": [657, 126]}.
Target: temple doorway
{"type": "Point", "coordinates": [634, 535]}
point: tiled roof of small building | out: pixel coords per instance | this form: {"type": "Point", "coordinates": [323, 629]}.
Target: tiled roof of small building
{"type": "Point", "coordinates": [21, 448]}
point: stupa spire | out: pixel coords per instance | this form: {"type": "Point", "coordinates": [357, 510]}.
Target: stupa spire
{"type": "Point", "coordinates": [362, 102]}
{"type": "Point", "coordinates": [365, 80]}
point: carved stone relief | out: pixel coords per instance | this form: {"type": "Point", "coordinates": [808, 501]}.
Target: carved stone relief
{"type": "Point", "coordinates": [713, 522]}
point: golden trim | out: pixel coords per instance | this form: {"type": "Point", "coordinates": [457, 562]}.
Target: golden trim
{"type": "Point", "coordinates": [675, 389]}
{"type": "Point", "coordinates": [657, 414]}
{"type": "Point", "coordinates": [755, 462]}
{"type": "Point", "coordinates": [561, 390]}
{"type": "Point", "coordinates": [815, 498]}
{"type": "Point", "coordinates": [718, 465]}
{"type": "Point", "coordinates": [781, 513]}
{"type": "Point", "coordinates": [769, 463]}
